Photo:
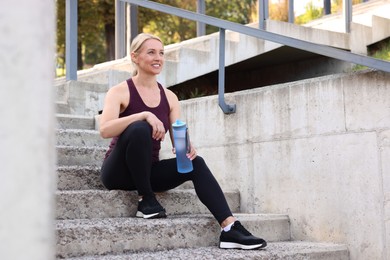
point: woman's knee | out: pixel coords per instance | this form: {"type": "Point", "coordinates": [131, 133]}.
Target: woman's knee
{"type": "Point", "coordinates": [138, 129]}
{"type": "Point", "coordinates": [200, 165]}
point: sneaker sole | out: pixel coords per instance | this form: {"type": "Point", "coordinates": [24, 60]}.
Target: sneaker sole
{"type": "Point", "coordinates": [160, 214]}
{"type": "Point", "coordinates": [231, 245]}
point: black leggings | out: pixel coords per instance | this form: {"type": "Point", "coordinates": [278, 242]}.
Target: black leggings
{"type": "Point", "coordinates": [129, 167]}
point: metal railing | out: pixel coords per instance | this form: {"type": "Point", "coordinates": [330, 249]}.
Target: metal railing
{"type": "Point", "coordinates": [226, 25]}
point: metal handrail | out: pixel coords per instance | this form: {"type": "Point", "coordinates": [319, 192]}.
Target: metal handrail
{"type": "Point", "coordinates": [71, 16]}
{"type": "Point", "coordinates": [265, 35]}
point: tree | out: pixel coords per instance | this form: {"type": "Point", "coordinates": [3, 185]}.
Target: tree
{"type": "Point", "coordinates": [312, 12]}
{"type": "Point", "coordinates": [173, 29]}
{"type": "Point", "coordinates": [96, 25]}
{"type": "Point", "coordinates": [279, 10]}
{"type": "Point", "coordinates": [337, 5]}
{"type": "Point", "coordinates": [91, 46]}
{"type": "Point", "coordinates": [106, 10]}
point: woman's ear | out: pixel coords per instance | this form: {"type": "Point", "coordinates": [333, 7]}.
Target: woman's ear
{"type": "Point", "coordinates": [134, 57]}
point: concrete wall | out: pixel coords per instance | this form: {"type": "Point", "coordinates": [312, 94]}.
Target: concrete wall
{"type": "Point", "coordinates": [317, 150]}
{"type": "Point", "coordinates": [27, 140]}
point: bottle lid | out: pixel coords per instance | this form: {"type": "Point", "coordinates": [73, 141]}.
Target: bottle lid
{"type": "Point", "coordinates": [178, 123]}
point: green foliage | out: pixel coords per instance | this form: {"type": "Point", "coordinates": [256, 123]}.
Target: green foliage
{"type": "Point", "coordinates": [337, 5]}
{"type": "Point", "coordinates": [311, 13]}
{"type": "Point", "coordinates": [93, 16]}
{"type": "Point", "coordinates": [278, 11]}
{"type": "Point", "coordinates": [172, 29]}
{"type": "Point", "coordinates": [96, 25]}
{"type": "Point", "coordinates": [383, 54]}
{"type": "Point", "coordinates": [169, 28]}
{"type": "Point", "coordinates": [60, 36]}
{"type": "Point", "coordinates": [380, 50]}
{"type": "Point", "coordinates": [234, 11]}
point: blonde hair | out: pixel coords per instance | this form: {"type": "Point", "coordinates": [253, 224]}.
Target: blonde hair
{"type": "Point", "coordinates": [136, 45]}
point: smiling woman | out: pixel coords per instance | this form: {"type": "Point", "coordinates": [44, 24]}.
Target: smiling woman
{"type": "Point", "coordinates": [137, 115]}
{"type": "Point", "coordinates": [155, 52]}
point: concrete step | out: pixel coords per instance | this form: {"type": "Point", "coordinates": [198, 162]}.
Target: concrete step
{"type": "Point", "coordinates": [62, 107]}
{"type": "Point", "coordinates": [86, 178]}
{"type": "Point", "coordinates": [79, 137]}
{"type": "Point", "coordinates": [66, 121]}
{"type": "Point", "coordinates": [87, 204]}
{"type": "Point", "coordinates": [85, 237]}
{"type": "Point", "coordinates": [275, 250]}
{"type": "Point", "coordinates": [91, 155]}
{"type": "Point", "coordinates": [81, 156]}
{"type": "Point", "coordinates": [79, 178]}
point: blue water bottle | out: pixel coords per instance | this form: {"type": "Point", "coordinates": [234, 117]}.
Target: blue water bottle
{"type": "Point", "coordinates": [182, 146]}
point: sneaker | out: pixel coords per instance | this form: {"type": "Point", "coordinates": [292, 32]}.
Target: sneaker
{"type": "Point", "coordinates": [149, 207]}
{"type": "Point", "coordinates": [239, 237]}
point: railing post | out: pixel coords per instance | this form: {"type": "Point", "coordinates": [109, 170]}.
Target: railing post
{"type": "Point", "coordinates": [132, 30]}
{"type": "Point", "coordinates": [263, 13]}
{"type": "Point", "coordinates": [291, 15]}
{"type": "Point", "coordinates": [227, 109]}
{"type": "Point", "coordinates": [201, 9]}
{"type": "Point", "coordinates": [347, 12]}
{"type": "Point", "coordinates": [327, 7]}
{"type": "Point", "coordinates": [71, 39]}
{"type": "Point", "coordinates": [120, 30]}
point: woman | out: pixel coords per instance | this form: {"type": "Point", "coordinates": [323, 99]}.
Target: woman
{"type": "Point", "coordinates": [137, 114]}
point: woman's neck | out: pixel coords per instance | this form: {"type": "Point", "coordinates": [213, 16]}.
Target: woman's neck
{"type": "Point", "coordinates": [145, 81]}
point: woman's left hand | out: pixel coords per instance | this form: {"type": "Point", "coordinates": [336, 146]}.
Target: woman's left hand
{"type": "Point", "coordinates": [192, 154]}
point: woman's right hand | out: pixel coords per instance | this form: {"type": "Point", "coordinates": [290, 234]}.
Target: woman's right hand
{"type": "Point", "coordinates": [158, 130]}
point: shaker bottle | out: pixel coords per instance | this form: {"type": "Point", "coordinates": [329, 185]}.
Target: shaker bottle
{"type": "Point", "coordinates": [182, 145]}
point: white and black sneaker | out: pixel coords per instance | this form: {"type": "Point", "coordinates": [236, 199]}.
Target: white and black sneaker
{"type": "Point", "coordinates": [240, 238]}
{"type": "Point", "coordinates": [149, 207]}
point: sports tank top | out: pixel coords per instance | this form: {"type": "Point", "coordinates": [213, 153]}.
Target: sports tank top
{"type": "Point", "coordinates": [137, 105]}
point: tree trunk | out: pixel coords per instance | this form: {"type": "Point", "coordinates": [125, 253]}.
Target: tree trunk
{"type": "Point", "coordinates": [110, 41]}
{"type": "Point", "coordinates": [327, 7]}
{"type": "Point", "coordinates": [80, 62]}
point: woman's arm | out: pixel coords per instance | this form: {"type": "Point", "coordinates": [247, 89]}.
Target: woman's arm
{"type": "Point", "coordinates": [174, 113]}
{"type": "Point", "coordinates": [115, 102]}
{"type": "Point", "coordinates": [110, 124]}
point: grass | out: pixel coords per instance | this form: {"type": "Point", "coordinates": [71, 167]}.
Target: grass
{"type": "Point", "coordinates": [380, 50]}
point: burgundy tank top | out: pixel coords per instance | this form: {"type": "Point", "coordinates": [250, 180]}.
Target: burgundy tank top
{"type": "Point", "coordinates": [136, 105]}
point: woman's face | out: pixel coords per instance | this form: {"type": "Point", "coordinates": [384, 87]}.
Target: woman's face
{"type": "Point", "coordinates": [150, 57]}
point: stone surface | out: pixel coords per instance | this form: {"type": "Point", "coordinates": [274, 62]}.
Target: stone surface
{"type": "Point", "coordinates": [65, 121]}
{"type": "Point", "coordinates": [82, 156]}
{"type": "Point", "coordinates": [326, 187]}
{"type": "Point", "coordinates": [113, 204]}
{"type": "Point", "coordinates": [118, 235]}
{"type": "Point", "coordinates": [79, 178]}
{"type": "Point", "coordinates": [274, 251]}
{"type": "Point", "coordinates": [78, 137]}
{"type": "Point", "coordinates": [314, 149]}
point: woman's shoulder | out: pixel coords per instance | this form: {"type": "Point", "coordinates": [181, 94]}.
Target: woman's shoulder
{"type": "Point", "coordinates": [119, 93]}
{"type": "Point", "coordinates": [119, 88]}
{"type": "Point", "coordinates": [172, 98]}
{"type": "Point", "coordinates": [170, 94]}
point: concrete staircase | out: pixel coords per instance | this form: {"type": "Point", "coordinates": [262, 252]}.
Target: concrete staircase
{"type": "Point", "coordinates": [94, 223]}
